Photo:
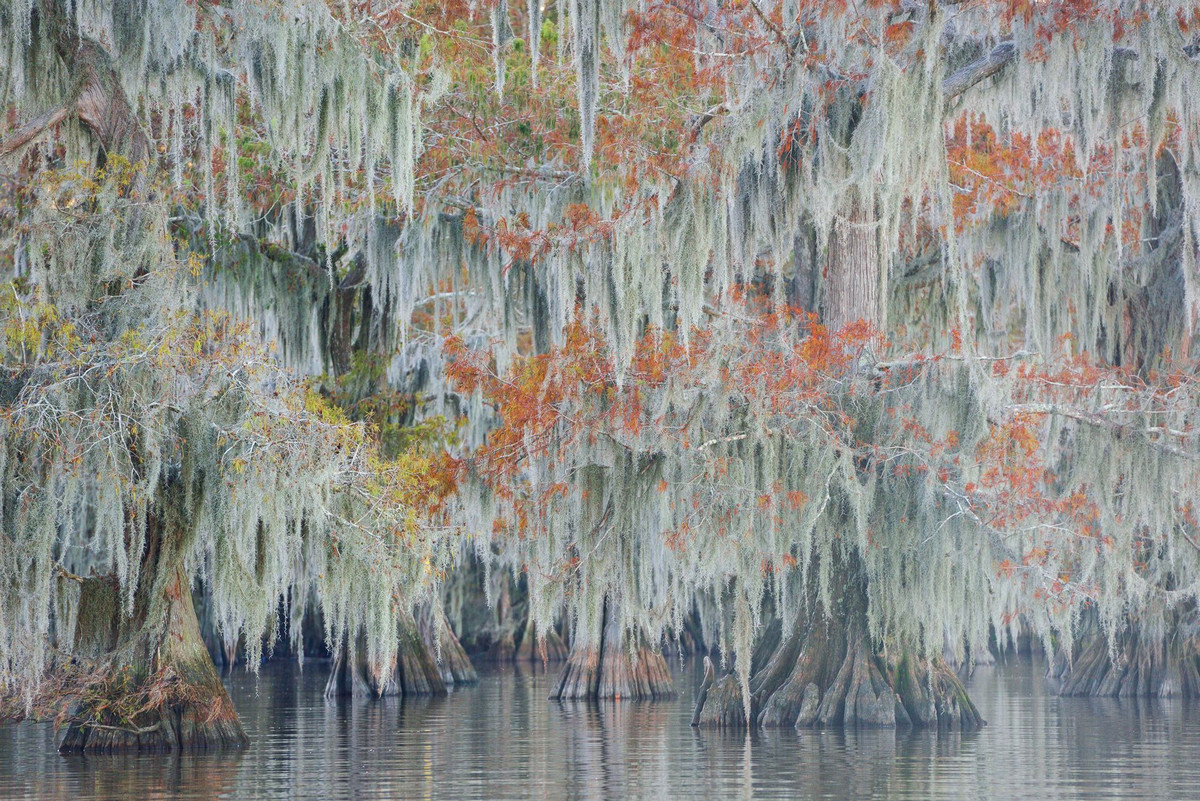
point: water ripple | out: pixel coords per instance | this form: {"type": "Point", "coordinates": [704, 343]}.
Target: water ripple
{"type": "Point", "coordinates": [504, 740]}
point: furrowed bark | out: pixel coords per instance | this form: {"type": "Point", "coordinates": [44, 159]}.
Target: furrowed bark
{"type": "Point", "coordinates": [607, 671]}
{"type": "Point", "coordinates": [150, 682]}
{"type": "Point", "coordinates": [504, 646]}
{"type": "Point", "coordinates": [536, 646]}
{"type": "Point", "coordinates": [453, 663]}
{"type": "Point", "coordinates": [853, 268]}
{"type": "Point", "coordinates": [96, 96]}
{"type": "Point", "coordinates": [415, 671]}
{"type": "Point", "coordinates": [1133, 665]}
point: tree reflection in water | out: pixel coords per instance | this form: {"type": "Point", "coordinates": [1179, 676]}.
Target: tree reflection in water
{"type": "Point", "coordinates": [504, 739]}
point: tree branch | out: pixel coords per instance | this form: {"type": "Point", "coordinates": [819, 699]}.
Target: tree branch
{"type": "Point", "coordinates": [978, 70]}
{"type": "Point", "coordinates": [98, 98]}
{"type": "Point", "coordinates": [1118, 429]}
{"type": "Point", "coordinates": [34, 128]}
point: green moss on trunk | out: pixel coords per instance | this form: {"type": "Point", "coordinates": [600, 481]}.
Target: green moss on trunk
{"type": "Point", "coordinates": [145, 683]}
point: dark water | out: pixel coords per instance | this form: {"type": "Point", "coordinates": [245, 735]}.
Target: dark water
{"type": "Point", "coordinates": [503, 739]}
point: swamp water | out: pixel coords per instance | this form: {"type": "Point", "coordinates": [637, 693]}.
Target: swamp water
{"type": "Point", "coordinates": [503, 739]}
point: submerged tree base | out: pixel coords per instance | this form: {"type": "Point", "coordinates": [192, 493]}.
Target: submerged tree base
{"type": "Point", "coordinates": [609, 671]}
{"type": "Point", "coordinates": [830, 676]}
{"type": "Point", "coordinates": [455, 665]}
{"type": "Point", "coordinates": [1134, 665]}
{"type": "Point", "coordinates": [147, 687]}
{"type": "Point", "coordinates": [536, 646]}
{"type": "Point", "coordinates": [417, 670]}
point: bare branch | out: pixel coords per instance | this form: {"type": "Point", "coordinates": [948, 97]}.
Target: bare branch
{"type": "Point", "coordinates": [33, 129]}
{"type": "Point", "coordinates": [978, 70]}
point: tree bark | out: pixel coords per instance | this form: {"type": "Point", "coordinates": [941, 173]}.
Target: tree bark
{"type": "Point", "coordinates": [536, 646]}
{"type": "Point", "coordinates": [96, 96]}
{"type": "Point", "coordinates": [607, 671]}
{"type": "Point", "coordinates": [453, 663]}
{"type": "Point", "coordinates": [504, 646]}
{"type": "Point", "coordinates": [148, 682]}
{"type": "Point", "coordinates": [829, 674]}
{"type": "Point", "coordinates": [1133, 665]}
{"type": "Point", "coordinates": [853, 268]}
{"type": "Point", "coordinates": [415, 671]}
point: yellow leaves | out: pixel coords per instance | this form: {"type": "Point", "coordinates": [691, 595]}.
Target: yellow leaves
{"type": "Point", "coordinates": [34, 330]}
{"type": "Point", "coordinates": [316, 404]}
{"type": "Point", "coordinates": [131, 341]}
{"type": "Point", "coordinates": [195, 264]}
{"type": "Point", "coordinates": [80, 192]}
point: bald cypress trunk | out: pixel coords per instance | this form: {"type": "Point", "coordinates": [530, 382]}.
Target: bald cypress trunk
{"type": "Point", "coordinates": [146, 681]}
{"type": "Point", "coordinates": [504, 646]}
{"type": "Point", "coordinates": [1133, 664]}
{"type": "Point", "coordinates": [829, 673]}
{"type": "Point", "coordinates": [415, 671]}
{"type": "Point", "coordinates": [453, 663]}
{"type": "Point", "coordinates": [606, 670]}
{"type": "Point", "coordinates": [536, 646]}
{"type": "Point", "coordinates": [853, 271]}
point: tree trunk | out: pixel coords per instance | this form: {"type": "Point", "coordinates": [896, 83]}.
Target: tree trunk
{"type": "Point", "coordinates": [536, 647]}
{"type": "Point", "coordinates": [829, 674]}
{"type": "Point", "coordinates": [607, 671]}
{"type": "Point", "coordinates": [853, 271]}
{"type": "Point", "coordinates": [1136, 665]}
{"type": "Point", "coordinates": [415, 671]}
{"type": "Point", "coordinates": [351, 674]}
{"type": "Point", "coordinates": [146, 681]}
{"type": "Point", "coordinates": [453, 662]}
{"type": "Point", "coordinates": [222, 647]}
{"type": "Point", "coordinates": [504, 646]}
{"type": "Point", "coordinates": [962, 659]}
{"type": "Point", "coordinates": [96, 97]}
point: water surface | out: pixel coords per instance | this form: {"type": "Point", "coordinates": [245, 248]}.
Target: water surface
{"type": "Point", "coordinates": [503, 739]}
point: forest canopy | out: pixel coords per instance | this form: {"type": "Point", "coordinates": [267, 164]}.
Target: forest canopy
{"type": "Point", "coordinates": [870, 322]}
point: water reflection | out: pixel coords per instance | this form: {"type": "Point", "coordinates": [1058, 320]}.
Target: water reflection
{"type": "Point", "coordinates": [503, 739]}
